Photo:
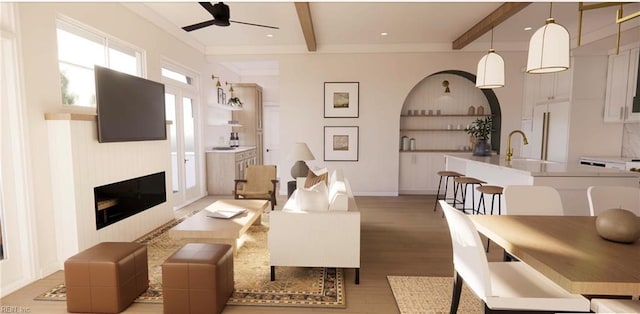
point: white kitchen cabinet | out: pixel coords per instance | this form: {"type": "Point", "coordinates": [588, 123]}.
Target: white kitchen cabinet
{"type": "Point", "coordinates": [622, 76]}
{"type": "Point", "coordinates": [553, 87]}
{"type": "Point", "coordinates": [529, 94]}
{"type": "Point", "coordinates": [224, 167]}
{"type": "Point", "coordinates": [418, 172]}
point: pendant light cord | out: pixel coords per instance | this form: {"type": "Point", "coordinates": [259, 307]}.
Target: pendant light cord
{"type": "Point", "coordinates": [491, 38]}
{"type": "Point", "coordinates": [550, 9]}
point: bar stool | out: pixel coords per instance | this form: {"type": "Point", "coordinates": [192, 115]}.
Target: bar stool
{"type": "Point", "coordinates": [446, 175]}
{"type": "Point", "coordinates": [494, 190]}
{"type": "Point", "coordinates": [461, 184]}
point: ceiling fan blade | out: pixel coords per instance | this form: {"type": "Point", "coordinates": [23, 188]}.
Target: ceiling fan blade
{"type": "Point", "coordinates": [198, 25]}
{"type": "Point", "coordinates": [207, 6]}
{"type": "Point", "coordinates": [252, 24]}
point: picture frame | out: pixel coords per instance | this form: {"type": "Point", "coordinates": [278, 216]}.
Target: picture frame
{"type": "Point", "coordinates": [220, 96]}
{"type": "Point", "coordinates": [341, 143]}
{"type": "Point", "coordinates": [341, 99]}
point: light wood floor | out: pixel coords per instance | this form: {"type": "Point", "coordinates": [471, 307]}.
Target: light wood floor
{"type": "Point", "coordinates": [400, 236]}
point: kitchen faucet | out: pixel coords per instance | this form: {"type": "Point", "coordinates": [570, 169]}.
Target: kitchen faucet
{"type": "Point", "coordinates": [509, 149]}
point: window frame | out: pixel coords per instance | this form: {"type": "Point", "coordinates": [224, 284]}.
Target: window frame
{"type": "Point", "coordinates": [107, 41]}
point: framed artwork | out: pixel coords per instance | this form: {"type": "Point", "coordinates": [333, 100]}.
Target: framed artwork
{"type": "Point", "coordinates": [341, 143]}
{"type": "Point", "coordinates": [341, 99]}
{"type": "Point", "coordinates": [220, 96]}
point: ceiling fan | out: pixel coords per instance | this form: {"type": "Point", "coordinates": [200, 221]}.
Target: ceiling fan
{"type": "Point", "coordinates": [220, 13]}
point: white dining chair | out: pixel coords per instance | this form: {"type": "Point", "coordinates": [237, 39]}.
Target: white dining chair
{"type": "Point", "coordinates": [602, 198]}
{"type": "Point", "coordinates": [502, 286]}
{"type": "Point", "coordinates": [532, 200]}
{"type": "Point", "coordinates": [615, 306]}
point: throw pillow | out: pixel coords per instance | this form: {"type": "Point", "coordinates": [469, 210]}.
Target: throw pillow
{"type": "Point", "coordinates": [314, 198]}
{"type": "Point", "coordinates": [313, 179]}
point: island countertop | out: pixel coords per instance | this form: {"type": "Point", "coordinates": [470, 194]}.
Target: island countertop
{"type": "Point", "coordinates": [541, 168]}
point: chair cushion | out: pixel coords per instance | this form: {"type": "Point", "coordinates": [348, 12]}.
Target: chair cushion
{"type": "Point", "coordinates": [314, 198]}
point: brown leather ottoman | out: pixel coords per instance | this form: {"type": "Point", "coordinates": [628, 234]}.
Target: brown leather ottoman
{"type": "Point", "coordinates": [106, 278]}
{"type": "Point", "coordinates": [197, 278]}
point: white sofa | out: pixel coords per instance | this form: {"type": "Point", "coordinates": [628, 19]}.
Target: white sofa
{"type": "Point", "coordinates": [309, 232]}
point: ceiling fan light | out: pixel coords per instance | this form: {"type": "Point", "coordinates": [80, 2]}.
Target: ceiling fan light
{"type": "Point", "coordinates": [490, 72]}
{"type": "Point", "coordinates": [549, 49]}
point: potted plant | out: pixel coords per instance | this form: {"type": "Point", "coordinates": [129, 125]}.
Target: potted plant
{"type": "Point", "coordinates": [234, 102]}
{"type": "Point", "coordinates": [480, 131]}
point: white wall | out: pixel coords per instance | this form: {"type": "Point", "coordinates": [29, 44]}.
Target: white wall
{"type": "Point", "coordinates": [385, 81]}
{"type": "Point", "coordinates": [37, 25]}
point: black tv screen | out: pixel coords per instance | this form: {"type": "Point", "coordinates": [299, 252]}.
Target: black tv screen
{"type": "Point", "coordinates": [129, 108]}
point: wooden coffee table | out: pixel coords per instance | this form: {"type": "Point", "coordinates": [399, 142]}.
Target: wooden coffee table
{"type": "Point", "coordinates": [201, 228]}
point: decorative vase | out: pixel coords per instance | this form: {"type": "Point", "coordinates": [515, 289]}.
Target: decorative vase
{"type": "Point", "coordinates": [482, 148]}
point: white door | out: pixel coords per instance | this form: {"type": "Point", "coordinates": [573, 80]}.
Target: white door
{"type": "Point", "coordinates": [182, 110]}
{"type": "Point", "coordinates": [271, 134]}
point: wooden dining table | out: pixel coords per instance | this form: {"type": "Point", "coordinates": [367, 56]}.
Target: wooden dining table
{"type": "Point", "coordinates": [569, 251]}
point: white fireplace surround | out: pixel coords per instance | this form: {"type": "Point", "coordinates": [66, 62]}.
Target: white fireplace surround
{"type": "Point", "coordinates": [80, 163]}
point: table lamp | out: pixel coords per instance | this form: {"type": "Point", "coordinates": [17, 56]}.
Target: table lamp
{"type": "Point", "coordinates": [300, 153]}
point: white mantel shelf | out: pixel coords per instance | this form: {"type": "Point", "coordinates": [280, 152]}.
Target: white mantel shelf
{"type": "Point", "coordinates": [571, 180]}
{"type": "Point", "coordinates": [76, 116]}
{"type": "Point", "coordinates": [539, 168]}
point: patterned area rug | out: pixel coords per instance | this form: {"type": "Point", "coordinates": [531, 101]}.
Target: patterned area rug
{"type": "Point", "coordinates": [430, 295]}
{"type": "Point", "coordinates": [294, 286]}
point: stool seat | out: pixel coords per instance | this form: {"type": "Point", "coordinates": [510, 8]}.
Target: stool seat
{"type": "Point", "coordinates": [490, 189]}
{"type": "Point", "coordinates": [198, 278]}
{"type": "Point", "coordinates": [106, 278]}
{"type": "Point", "coordinates": [446, 174]}
{"type": "Point", "coordinates": [468, 180]}
{"type": "Point", "coordinates": [450, 174]}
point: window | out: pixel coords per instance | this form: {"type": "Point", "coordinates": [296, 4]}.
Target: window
{"type": "Point", "coordinates": [79, 50]}
{"type": "Point", "coordinates": [182, 78]}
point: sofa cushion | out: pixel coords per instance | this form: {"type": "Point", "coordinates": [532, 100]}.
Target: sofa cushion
{"type": "Point", "coordinates": [314, 198]}
{"type": "Point", "coordinates": [313, 179]}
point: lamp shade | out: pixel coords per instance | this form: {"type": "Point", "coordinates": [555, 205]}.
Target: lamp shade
{"type": "Point", "coordinates": [490, 71]}
{"type": "Point", "coordinates": [299, 154]}
{"type": "Point", "coordinates": [549, 49]}
{"type": "Point", "coordinates": [301, 151]}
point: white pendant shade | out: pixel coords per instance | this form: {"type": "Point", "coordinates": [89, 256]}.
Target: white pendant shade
{"type": "Point", "coordinates": [490, 72]}
{"type": "Point", "coordinates": [549, 49]}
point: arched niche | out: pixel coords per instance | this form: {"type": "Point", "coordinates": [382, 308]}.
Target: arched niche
{"type": "Point", "coordinates": [430, 93]}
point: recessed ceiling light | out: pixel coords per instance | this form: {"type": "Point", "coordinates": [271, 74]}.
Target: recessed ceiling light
{"type": "Point", "coordinates": [269, 35]}
{"type": "Point", "coordinates": [528, 28]}
{"type": "Point", "coordinates": [384, 34]}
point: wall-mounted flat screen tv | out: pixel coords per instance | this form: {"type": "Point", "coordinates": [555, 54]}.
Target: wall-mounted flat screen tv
{"type": "Point", "coordinates": [129, 108]}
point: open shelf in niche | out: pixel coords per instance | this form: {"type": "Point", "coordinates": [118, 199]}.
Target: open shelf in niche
{"type": "Point", "coordinates": [445, 115]}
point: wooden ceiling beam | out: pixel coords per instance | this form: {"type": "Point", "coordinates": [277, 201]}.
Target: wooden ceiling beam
{"type": "Point", "coordinates": [304, 16]}
{"type": "Point", "coordinates": [501, 14]}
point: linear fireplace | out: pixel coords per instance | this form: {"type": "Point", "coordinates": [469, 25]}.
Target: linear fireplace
{"type": "Point", "coordinates": [119, 200]}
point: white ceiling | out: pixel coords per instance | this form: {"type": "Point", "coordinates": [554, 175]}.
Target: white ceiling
{"type": "Point", "coordinates": [356, 26]}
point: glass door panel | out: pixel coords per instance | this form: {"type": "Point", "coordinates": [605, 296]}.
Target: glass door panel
{"type": "Point", "coordinates": [190, 164]}
{"type": "Point", "coordinates": [170, 107]}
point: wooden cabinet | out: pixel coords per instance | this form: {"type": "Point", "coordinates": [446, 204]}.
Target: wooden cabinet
{"type": "Point", "coordinates": [225, 166]}
{"type": "Point", "coordinates": [250, 117]}
{"type": "Point", "coordinates": [622, 77]}
{"type": "Point", "coordinates": [418, 172]}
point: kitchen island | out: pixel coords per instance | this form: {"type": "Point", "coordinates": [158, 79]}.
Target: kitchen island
{"type": "Point", "coordinates": [571, 180]}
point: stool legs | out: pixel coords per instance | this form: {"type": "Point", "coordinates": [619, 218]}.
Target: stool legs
{"type": "Point", "coordinates": [446, 189]}
{"type": "Point", "coordinates": [435, 205]}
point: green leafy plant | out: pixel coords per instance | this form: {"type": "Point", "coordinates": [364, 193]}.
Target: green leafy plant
{"type": "Point", "coordinates": [234, 102]}
{"type": "Point", "coordinates": [481, 128]}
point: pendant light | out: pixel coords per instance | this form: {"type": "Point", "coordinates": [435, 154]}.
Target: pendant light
{"type": "Point", "coordinates": [549, 48]}
{"type": "Point", "coordinates": [490, 72]}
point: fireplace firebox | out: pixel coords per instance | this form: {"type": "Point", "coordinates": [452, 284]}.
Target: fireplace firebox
{"type": "Point", "coordinates": [119, 200]}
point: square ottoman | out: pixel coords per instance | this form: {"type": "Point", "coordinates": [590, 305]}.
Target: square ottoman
{"type": "Point", "coordinates": [106, 278]}
{"type": "Point", "coordinates": [197, 278]}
